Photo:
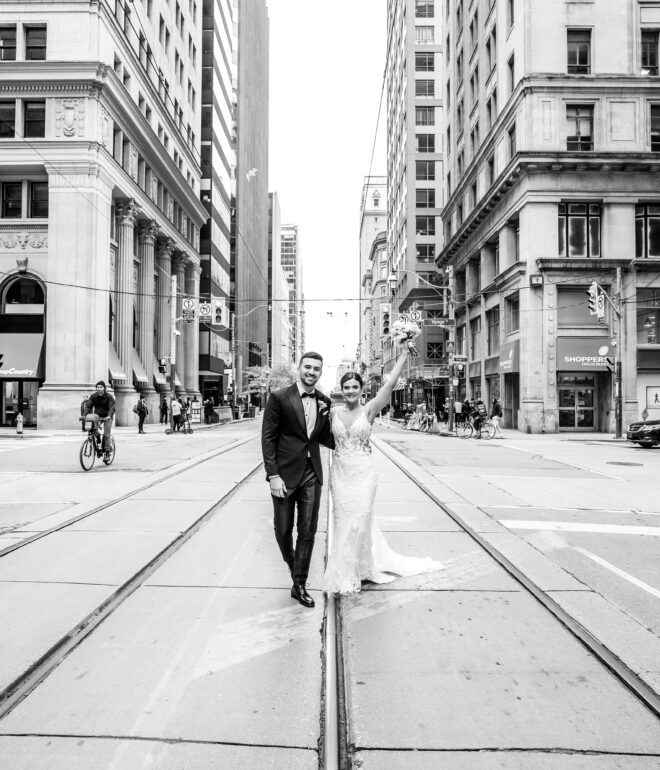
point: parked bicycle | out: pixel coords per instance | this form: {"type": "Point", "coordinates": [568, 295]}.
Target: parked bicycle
{"type": "Point", "coordinates": [92, 446]}
{"type": "Point", "coordinates": [466, 429]}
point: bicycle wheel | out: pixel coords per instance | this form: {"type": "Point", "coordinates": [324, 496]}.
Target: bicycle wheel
{"type": "Point", "coordinates": [487, 430]}
{"type": "Point", "coordinates": [109, 457]}
{"type": "Point", "coordinates": [87, 454]}
{"type": "Point", "coordinates": [464, 430]}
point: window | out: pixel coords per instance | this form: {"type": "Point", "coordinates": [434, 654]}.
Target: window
{"type": "Point", "coordinates": [459, 69]}
{"type": "Point", "coordinates": [460, 340]}
{"type": "Point", "coordinates": [650, 51]}
{"type": "Point", "coordinates": [579, 51]}
{"type": "Point", "coordinates": [512, 141]}
{"type": "Point", "coordinates": [579, 127]}
{"type": "Point", "coordinates": [572, 307]}
{"type": "Point", "coordinates": [648, 317]}
{"type": "Point", "coordinates": [425, 252]}
{"type": "Point", "coordinates": [449, 192]}
{"type": "Point", "coordinates": [424, 62]}
{"type": "Point", "coordinates": [491, 51]}
{"type": "Point", "coordinates": [425, 142]}
{"type": "Point", "coordinates": [475, 338]}
{"type": "Point", "coordinates": [424, 9]}
{"type": "Point", "coordinates": [460, 163]}
{"type": "Point", "coordinates": [474, 86]}
{"type": "Point", "coordinates": [35, 43]}
{"type": "Point", "coordinates": [459, 17]}
{"type": "Point", "coordinates": [647, 231]}
{"type": "Point", "coordinates": [39, 199]}
{"type": "Point", "coordinates": [7, 120]}
{"type": "Point", "coordinates": [12, 200]}
{"type": "Point", "coordinates": [490, 170]}
{"type": "Point", "coordinates": [434, 350]}
{"type": "Point", "coordinates": [425, 225]}
{"type": "Point", "coordinates": [425, 170]}
{"type": "Point", "coordinates": [655, 128]}
{"type": "Point", "coordinates": [8, 42]}
{"type": "Point", "coordinates": [34, 119]}
{"type": "Point", "coordinates": [424, 35]}
{"type": "Point", "coordinates": [579, 230]}
{"type": "Point", "coordinates": [512, 313]}
{"type": "Point", "coordinates": [424, 88]}
{"type": "Point", "coordinates": [510, 12]}
{"type": "Point", "coordinates": [474, 31]}
{"type": "Point", "coordinates": [493, 320]}
{"type": "Point", "coordinates": [459, 118]}
{"type": "Point", "coordinates": [425, 199]}
{"type": "Point", "coordinates": [511, 68]}
{"type": "Point", "coordinates": [473, 194]}
{"type": "Point", "coordinates": [424, 116]}
{"type": "Point", "coordinates": [474, 139]}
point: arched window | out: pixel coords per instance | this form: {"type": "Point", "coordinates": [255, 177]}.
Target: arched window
{"type": "Point", "coordinates": [22, 305]}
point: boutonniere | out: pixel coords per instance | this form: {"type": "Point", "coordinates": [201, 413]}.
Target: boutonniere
{"type": "Point", "coordinates": [323, 408]}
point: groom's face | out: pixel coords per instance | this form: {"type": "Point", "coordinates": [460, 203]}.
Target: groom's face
{"type": "Point", "coordinates": [309, 372]}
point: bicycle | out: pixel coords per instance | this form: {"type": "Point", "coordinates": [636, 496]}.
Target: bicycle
{"type": "Point", "coordinates": [466, 429]}
{"type": "Point", "coordinates": [92, 446]}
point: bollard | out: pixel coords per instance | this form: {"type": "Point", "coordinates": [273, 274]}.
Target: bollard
{"type": "Point", "coordinates": [19, 425]}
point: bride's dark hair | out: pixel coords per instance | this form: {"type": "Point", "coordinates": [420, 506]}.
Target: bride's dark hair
{"type": "Point", "coordinates": [351, 376]}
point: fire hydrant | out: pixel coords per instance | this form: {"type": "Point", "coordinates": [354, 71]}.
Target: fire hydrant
{"type": "Point", "coordinates": [19, 425]}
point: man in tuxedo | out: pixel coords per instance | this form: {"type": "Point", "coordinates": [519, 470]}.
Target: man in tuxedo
{"type": "Point", "coordinates": [296, 421]}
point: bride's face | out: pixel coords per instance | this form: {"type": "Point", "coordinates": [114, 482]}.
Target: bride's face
{"type": "Point", "coordinates": [351, 390]}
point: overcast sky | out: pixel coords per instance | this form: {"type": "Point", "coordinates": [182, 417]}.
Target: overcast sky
{"type": "Point", "coordinates": [326, 69]}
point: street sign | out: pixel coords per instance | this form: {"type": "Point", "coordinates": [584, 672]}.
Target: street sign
{"type": "Point", "coordinates": [204, 311]}
{"type": "Point", "coordinates": [459, 359]}
{"type": "Point", "coordinates": [442, 322]}
{"type": "Point", "coordinates": [416, 316]}
{"type": "Point", "coordinates": [454, 382]}
{"type": "Point", "coordinates": [188, 307]}
{"type": "Point", "coordinates": [402, 317]}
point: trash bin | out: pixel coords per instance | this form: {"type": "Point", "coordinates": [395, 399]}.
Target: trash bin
{"type": "Point", "coordinates": [252, 411]}
{"type": "Point", "coordinates": [237, 412]}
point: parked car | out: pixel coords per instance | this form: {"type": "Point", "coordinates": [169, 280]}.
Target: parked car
{"type": "Point", "coordinates": [645, 434]}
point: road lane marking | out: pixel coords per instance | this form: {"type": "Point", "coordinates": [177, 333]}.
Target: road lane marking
{"type": "Point", "coordinates": [572, 526]}
{"type": "Point", "coordinates": [617, 571]}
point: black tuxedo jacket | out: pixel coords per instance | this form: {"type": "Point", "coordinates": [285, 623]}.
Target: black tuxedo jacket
{"type": "Point", "coordinates": [284, 441]}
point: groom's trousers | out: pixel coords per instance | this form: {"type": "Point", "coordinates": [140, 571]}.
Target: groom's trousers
{"type": "Point", "coordinates": [306, 497]}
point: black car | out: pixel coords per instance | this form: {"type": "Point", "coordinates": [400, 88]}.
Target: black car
{"type": "Point", "coordinates": [645, 434]}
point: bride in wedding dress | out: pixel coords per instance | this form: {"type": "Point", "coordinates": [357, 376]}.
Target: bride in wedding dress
{"type": "Point", "coordinates": [358, 549]}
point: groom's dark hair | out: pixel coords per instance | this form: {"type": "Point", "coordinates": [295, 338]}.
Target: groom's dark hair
{"type": "Point", "coordinates": [311, 354]}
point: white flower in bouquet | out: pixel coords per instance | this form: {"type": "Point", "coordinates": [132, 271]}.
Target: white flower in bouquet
{"type": "Point", "coordinates": [405, 332]}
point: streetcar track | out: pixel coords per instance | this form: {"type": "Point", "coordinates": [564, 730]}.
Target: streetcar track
{"type": "Point", "coordinates": [109, 503]}
{"type": "Point", "coordinates": [35, 674]}
{"type": "Point", "coordinates": [623, 673]}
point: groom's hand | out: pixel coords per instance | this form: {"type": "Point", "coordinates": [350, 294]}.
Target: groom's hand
{"type": "Point", "coordinates": [277, 487]}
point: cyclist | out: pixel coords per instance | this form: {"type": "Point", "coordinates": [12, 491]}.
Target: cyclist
{"type": "Point", "coordinates": [479, 414]}
{"type": "Point", "coordinates": [101, 406]}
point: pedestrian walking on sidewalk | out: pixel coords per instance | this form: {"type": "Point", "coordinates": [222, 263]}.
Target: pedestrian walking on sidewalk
{"type": "Point", "coordinates": [495, 417]}
{"type": "Point", "coordinates": [142, 413]}
{"type": "Point", "coordinates": [296, 422]}
{"type": "Point", "coordinates": [176, 414]}
{"type": "Point", "coordinates": [163, 411]}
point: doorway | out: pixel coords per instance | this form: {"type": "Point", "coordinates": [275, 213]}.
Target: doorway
{"type": "Point", "coordinates": [577, 402]}
{"type": "Point", "coordinates": [18, 396]}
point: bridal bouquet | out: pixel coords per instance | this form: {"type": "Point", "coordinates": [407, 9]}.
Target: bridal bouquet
{"type": "Point", "coordinates": [405, 332]}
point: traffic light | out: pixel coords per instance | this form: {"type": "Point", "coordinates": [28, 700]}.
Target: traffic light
{"type": "Point", "coordinates": [217, 314]}
{"type": "Point", "coordinates": [385, 320]}
{"type": "Point", "coordinates": [592, 302]}
{"type": "Point", "coordinates": [161, 365]}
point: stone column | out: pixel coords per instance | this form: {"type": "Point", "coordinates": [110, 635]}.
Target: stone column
{"type": "Point", "coordinates": [179, 260]}
{"type": "Point", "coordinates": [146, 315]}
{"type": "Point", "coordinates": [125, 394]}
{"type": "Point", "coordinates": [164, 270]}
{"type": "Point", "coordinates": [191, 335]}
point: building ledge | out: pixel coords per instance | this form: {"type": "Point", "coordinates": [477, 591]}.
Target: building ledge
{"type": "Point", "coordinates": [651, 264]}
{"type": "Point", "coordinates": [573, 263]}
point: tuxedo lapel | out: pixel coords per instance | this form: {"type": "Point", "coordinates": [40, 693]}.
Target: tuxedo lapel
{"type": "Point", "coordinates": [321, 414]}
{"type": "Point", "coordinates": [296, 405]}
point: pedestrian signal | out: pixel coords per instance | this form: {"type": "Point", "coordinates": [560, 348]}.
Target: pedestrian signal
{"type": "Point", "coordinates": [592, 294]}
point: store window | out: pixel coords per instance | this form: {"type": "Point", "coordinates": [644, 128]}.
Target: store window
{"type": "Point", "coordinates": [647, 231]}
{"type": "Point", "coordinates": [648, 316]}
{"type": "Point", "coordinates": [475, 338]}
{"type": "Point", "coordinates": [572, 308]}
{"type": "Point", "coordinates": [434, 350]}
{"type": "Point", "coordinates": [579, 230]}
{"type": "Point", "coordinates": [512, 313]}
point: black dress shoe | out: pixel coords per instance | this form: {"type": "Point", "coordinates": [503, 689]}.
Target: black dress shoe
{"type": "Point", "coordinates": [299, 593]}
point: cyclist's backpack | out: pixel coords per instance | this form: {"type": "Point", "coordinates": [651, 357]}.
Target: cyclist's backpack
{"type": "Point", "coordinates": [481, 409]}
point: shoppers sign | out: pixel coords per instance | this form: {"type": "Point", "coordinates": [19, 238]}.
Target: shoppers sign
{"type": "Point", "coordinates": [583, 354]}
{"type": "Point", "coordinates": [510, 357]}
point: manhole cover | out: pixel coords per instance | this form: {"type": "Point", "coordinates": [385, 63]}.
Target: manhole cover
{"type": "Point", "coordinates": [637, 465]}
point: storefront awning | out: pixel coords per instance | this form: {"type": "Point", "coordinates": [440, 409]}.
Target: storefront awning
{"type": "Point", "coordinates": [138, 370]}
{"type": "Point", "coordinates": [115, 368]}
{"type": "Point", "coordinates": [400, 383]}
{"type": "Point", "coordinates": [20, 356]}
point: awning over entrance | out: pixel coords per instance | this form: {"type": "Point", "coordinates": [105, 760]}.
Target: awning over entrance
{"type": "Point", "coordinates": [20, 356]}
{"type": "Point", "coordinates": [583, 354]}
{"type": "Point", "coordinates": [138, 370]}
{"type": "Point", "coordinates": [400, 383]}
{"type": "Point", "coordinates": [510, 357]}
{"type": "Point", "coordinates": [114, 365]}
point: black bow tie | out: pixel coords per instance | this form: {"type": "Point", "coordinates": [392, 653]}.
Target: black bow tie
{"type": "Point", "coordinates": [307, 395]}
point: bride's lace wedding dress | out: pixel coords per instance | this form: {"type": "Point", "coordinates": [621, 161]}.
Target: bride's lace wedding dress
{"type": "Point", "coordinates": [358, 549]}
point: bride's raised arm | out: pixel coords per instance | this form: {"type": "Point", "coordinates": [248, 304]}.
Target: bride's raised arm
{"type": "Point", "coordinates": [382, 398]}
